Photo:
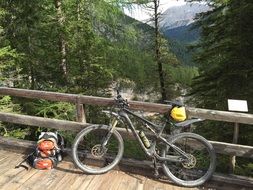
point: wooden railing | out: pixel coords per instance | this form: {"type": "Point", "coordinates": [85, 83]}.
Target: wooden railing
{"type": "Point", "coordinates": [80, 123]}
{"type": "Point", "coordinates": [135, 105]}
{"type": "Point", "coordinates": [79, 100]}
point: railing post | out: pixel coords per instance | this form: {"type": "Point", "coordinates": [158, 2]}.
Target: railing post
{"type": "Point", "coordinates": [80, 112]}
{"type": "Point", "coordinates": [235, 140]}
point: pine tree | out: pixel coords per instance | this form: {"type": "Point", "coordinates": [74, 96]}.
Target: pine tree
{"type": "Point", "coordinates": [225, 55]}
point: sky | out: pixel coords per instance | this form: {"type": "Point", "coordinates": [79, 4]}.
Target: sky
{"type": "Point", "coordinates": [141, 14]}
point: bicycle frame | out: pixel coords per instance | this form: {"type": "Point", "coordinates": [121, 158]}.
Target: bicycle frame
{"type": "Point", "coordinates": [188, 159]}
{"type": "Point", "coordinates": [151, 151]}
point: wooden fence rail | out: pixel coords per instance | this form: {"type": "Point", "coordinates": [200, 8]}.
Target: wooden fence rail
{"type": "Point", "coordinates": [79, 100]}
{"type": "Point", "coordinates": [223, 148]}
{"type": "Point", "coordinates": [135, 105]}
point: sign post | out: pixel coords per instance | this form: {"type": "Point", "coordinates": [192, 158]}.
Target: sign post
{"type": "Point", "coordinates": [240, 106]}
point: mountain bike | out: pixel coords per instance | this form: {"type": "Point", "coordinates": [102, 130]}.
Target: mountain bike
{"type": "Point", "coordinates": [188, 159]}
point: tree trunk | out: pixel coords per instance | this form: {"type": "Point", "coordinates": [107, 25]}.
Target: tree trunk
{"type": "Point", "coordinates": [31, 65]}
{"type": "Point", "coordinates": [78, 10]}
{"type": "Point", "coordinates": [157, 51]}
{"type": "Point", "coordinates": [62, 42]}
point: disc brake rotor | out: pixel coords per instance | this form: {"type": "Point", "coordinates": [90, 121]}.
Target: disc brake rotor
{"type": "Point", "coordinates": [190, 163]}
{"type": "Point", "coordinates": [98, 151]}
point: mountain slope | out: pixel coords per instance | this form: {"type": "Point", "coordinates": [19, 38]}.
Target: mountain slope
{"type": "Point", "coordinates": [176, 25]}
{"type": "Point", "coordinates": [178, 16]}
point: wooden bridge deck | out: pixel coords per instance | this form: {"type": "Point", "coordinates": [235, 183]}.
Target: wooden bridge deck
{"type": "Point", "coordinates": [66, 176]}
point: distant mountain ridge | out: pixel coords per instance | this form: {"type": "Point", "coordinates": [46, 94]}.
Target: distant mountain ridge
{"type": "Point", "coordinates": [176, 25]}
{"type": "Point", "coordinates": [181, 15]}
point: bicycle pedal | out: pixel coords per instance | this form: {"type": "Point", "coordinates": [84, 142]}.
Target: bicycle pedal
{"type": "Point", "coordinates": [156, 174]}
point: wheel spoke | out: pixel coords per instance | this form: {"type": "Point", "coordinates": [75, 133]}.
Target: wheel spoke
{"type": "Point", "coordinates": [199, 164]}
{"type": "Point", "coordinates": [89, 154]}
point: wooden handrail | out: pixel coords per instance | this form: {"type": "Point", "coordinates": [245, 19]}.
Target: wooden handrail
{"type": "Point", "coordinates": [73, 98]}
{"type": "Point", "coordinates": [135, 105]}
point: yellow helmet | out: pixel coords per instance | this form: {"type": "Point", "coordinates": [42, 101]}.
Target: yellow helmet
{"type": "Point", "coordinates": [178, 113]}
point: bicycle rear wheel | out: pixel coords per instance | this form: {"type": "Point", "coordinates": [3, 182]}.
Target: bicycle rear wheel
{"type": "Point", "coordinates": [198, 168]}
{"type": "Point", "coordinates": [89, 153]}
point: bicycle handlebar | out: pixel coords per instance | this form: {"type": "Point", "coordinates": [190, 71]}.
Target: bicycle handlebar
{"type": "Point", "coordinates": [121, 102]}
{"type": "Point", "coordinates": [174, 103]}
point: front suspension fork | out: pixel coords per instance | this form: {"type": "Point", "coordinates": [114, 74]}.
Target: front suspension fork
{"type": "Point", "coordinates": [110, 132]}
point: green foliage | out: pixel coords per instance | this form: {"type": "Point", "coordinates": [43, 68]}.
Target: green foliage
{"type": "Point", "coordinates": [224, 55]}
{"type": "Point", "coordinates": [132, 149]}
{"type": "Point", "coordinates": [244, 167]}
{"type": "Point", "coordinates": [10, 130]}
{"type": "Point", "coordinates": [58, 110]}
{"type": "Point", "coordinates": [8, 60]}
{"type": "Point", "coordinates": [17, 133]}
{"type": "Point", "coordinates": [183, 75]}
{"type": "Point", "coordinates": [7, 105]}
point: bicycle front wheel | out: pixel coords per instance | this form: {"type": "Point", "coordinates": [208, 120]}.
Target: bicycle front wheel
{"type": "Point", "coordinates": [199, 166]}
{"type": "Point", "coordinates": [91, 155]}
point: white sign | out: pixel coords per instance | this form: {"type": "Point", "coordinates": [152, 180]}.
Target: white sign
{"type": "Point", "coordinates": [237, 105]}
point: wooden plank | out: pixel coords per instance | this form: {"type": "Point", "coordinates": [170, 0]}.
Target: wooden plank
{"type": "Point", "coordinates": [25, 146]}
{"type": "Point", "coordinates": [233, 149]}
{"type": "Point", "coordinates": [17, 145]}
{"type": "Point", "coordinates": [62, 125]}
{"type": "Point", "coordinates": [134, 105]}
{"type": "Point", "coordinates": [34, 181]}
{"type": "Point", "coordinates": [3, 155]}
{"type": "Point", "coordinates": [42, 122]}
{"type": "Point", "coordinates": [139, 182]}
{"type": "Point", "coordinates": [53, 178]}
{"type": "Point", "coordinates": [220, 115]}
{"type": "Point", "coordinates": [128, 181]}
{"type": "Point", "coordinates": [9, 175]}
{"type": "Point", "coordinates": [85, 182]}
{"type": "Point", "coordinates": [75, 178]}
{"type": "Point", "coordinates": [72, 173]}
{"type": "Point", "coordinates": [80, 115]}
{"type": "Point", "coordinates": [72, 98]}
{"type": "Point", "coordinates": [50, 179]}
{"type": "Point", "coordinates": [78, 182]}
{"type": "Point", "coordinates": [17, 181]}
{"type": "Point", "coordinates": [8, 170]}
{"type": "Point", "coordinates": [59, 182]}
{"type": "Point", "coordinates": [104, 180]}
{"type": "Point", "coordinates": [116, 180]}
{"type": "Point", "coordinates": [37, 94]}
{"type": "Point", "coordinates": [7, 163]}
{"type": "Point", "coordinates": [234, 180]}
{"type": "Point", "coordinates": [152, 184]}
